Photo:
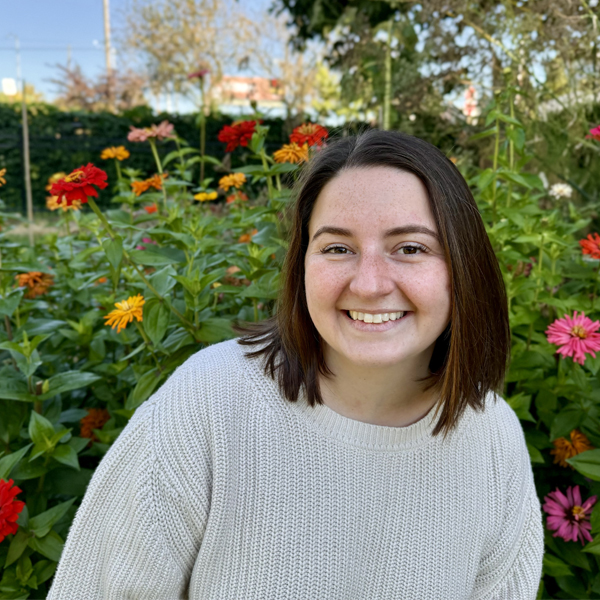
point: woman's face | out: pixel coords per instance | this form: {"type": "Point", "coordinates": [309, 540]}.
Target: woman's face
{"type": "Point", "coordinates": [373, 253]}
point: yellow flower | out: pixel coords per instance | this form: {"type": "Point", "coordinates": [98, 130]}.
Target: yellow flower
{"type": "Point", "coordinates": [216, 284]}
{"type": "Point", "coordinates": [564, 448]}
{"type": "Point", "coordinates": [125, 312]}
{"type": "Point", "coordinates": [291, 153]}
{"type": "Point", "coordinates": [54, 178]}
{"type": "Point", "coordinates": [118, 152]}
{"type": "Point", "coordinates": [235, 180]}
{"type": "Point", "coordinates": [52, 204]}
{"type": "Point", "coordinates": [204, 196]}
{"type": "Point", "coordinates": [2, 174]}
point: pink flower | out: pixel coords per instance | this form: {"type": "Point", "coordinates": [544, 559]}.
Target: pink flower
{"type": "Point", "coordinates": [568, 516]}
{"type": "Point", "coordinates": [594, 134]}
{"type": "Point", "coordinates": [575, 336]}
{"type": "Point", "coordinates": [146, 240]}
{"type": "Point", "coordinates": [160, 132]}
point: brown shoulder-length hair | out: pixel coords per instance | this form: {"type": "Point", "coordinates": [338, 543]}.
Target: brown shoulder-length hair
{"type": "Point", "coordinates": [471, 356]}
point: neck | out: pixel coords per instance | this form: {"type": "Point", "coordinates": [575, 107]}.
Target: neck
{"type": "Point", "coordinates": [380, 395]}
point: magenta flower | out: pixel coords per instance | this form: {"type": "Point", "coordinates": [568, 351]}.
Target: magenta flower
{"type": "Point", "coordinates": [160, 132]}
{"type": "Point", "coordinates": [575, 336]}
{"type": "Point", "coordinates": [146, 240]}
{"type": "Point", "coordinates": [568, 516]}
{"type": "Point", "coordinates": [594, 134]}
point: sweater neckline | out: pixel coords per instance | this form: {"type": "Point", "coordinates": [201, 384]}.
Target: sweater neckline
{"type": "Point", "coordinates": [359, 433]}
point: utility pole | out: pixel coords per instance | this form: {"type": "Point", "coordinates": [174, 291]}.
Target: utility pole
{"type": "Point", "coordinates": [26, 161]}
{"type": "Point", "coordinates": [107, 52]}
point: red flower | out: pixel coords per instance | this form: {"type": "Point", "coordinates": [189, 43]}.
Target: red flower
{"type": "Point", "coordinates": [78, 184]}
{"type": "Point", "coordinates": [237, 134]}
{"type": "Point", "coordinates": [594, 133]}
{"type": "Point", "coordinates": [201, 74]}
{"type": "Point", "coordinates": [309, 133]}
{"type": "Point", "coordinates": [9, 508]}
{"type": "Point", "coordinates": [591, 245]}
{"type": "Point", "coordinates": [151, 209]}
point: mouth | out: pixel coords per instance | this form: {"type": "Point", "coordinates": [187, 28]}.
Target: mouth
{"type": "Point", "coordinates": [380, 323]}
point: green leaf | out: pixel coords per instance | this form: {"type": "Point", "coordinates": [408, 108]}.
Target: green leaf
{"type": "Point", "coordinates": [587, 463]}
{"type": "Point", "coordinates": [520, 404]}
{"type": "Point", "coordinates": [555, 567]}
{"type": "Point", "coordinates": [9, 305]}
{"type": "Point", "coordinates": [40, 429]}
{"type": "Point", "coordinates": [43, 570]}
{"type": "Point", "coordinates": [66, 455]}
{"type": "Point", "coordinates": [17, 546]}
{"type": "Point", "coordinates": [114, 251]}
{"type": "Point", "coordinates": [566, 420]}
{"type": "Point", "coordinates": [68, 381]}
{"type": "Point", "coordinates": [176, 154]}
{"type": "Point", "coordinates": [157, 257]}
{"type": "Point", "coordinates": [535, 455]}
{"type": "Point", "coordinates": [41, 524]}
{"type": "Point", "coordinates": [215, 330]}
{"type": "Point", "coordinates": [484, 134]}
{"type": "Point", "coordinates": [143, 388]}
{"type": "Point", "coordinates": [50, 546]}
{"type": "Point", "coordinates": [156, 319]}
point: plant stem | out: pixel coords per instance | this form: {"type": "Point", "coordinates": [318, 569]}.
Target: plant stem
{"type": "Point", "coordinates": [596, 286]}
{"type": "Point", "coordinates": [495, 168]}
{"type": "Point", "coordinates": [254, 303]}
{"type": "Point", "coordinates": [265, 164]}
{"type": "Point", "coordinates": [160, 170]}
{"type": "Point", "coordinates": [148, 344]}
{"type": "Point", "coordinates": [387, 94]}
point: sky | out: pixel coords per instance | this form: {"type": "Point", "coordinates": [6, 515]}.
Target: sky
{"type": "Point", "coordinates": [46, 29]}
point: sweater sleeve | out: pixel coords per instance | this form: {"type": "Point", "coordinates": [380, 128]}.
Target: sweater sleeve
{"type": "Point", "coordinates": [118, 545]}
{"type": "Point", "coordinates": [511, 566]}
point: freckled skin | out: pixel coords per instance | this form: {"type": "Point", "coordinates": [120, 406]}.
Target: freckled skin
{"type": "Point", "coordinates": [371, 272]}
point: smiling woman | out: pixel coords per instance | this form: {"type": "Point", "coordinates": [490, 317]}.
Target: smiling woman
{"type": "Point", "coordinates": [313, 467]}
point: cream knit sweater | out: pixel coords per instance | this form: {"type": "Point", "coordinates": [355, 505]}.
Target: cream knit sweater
{"type": "Point", "coordinates": [219, 489]}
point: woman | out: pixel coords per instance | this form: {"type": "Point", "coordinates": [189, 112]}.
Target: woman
{"type": "Point", "coordinates": [359, 450]}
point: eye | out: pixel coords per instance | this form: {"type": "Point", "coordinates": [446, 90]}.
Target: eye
{"type": "Point", "coordinates": [330, 249]}
{"type": "Point", "coordinates": [411, 249]}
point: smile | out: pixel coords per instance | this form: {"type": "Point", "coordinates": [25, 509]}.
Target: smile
{"type": "Point", "coordinates": [375, 318]}
{"type": "Point", "coordinates": [378, 324]}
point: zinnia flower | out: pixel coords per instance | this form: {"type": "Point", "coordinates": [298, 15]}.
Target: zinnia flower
{"type": "Point", "coordinates": [101, 280]}
{"type": "Point", "coordinates": [591, 245]}
{"type": "Point", "coordinates": [205, 196]}
{"type": "Point", "coordinates": [237, 134]}
{"type": "Point", "coordinates": [146, 240]}
{"type": "Point", "coordinates": [235, 180]}
{"type": "Point", "coordinates": [54, 178]}
{"type": "Point", "coordinates": [95, 419]}
{"type": "Point", "coordinates": [576, 336]}
{"type": "Point", "coordinates": [309, 133]}
{"type": "Point", "coordinates": [52, 204]}
{"type": "Point", "coordinates": [237, 195]}
{"type": "Point", "coordinates": [160, 132]}
{"type": "Point", "coordinates": [9, 508]}
{"type": "Point", "coordinates": [568, 516]}
{"type": "Point", "coordinates": [594, 134]}
{"type": "Point", "coordinates": [292, 153]}
{"type": "Point", "coordinates": [564, 448]}
{"type": "Point", "coordinates": [151, 209]}
{"type": "Point", "coordinates": [561, 190]}
{"type": "Point", "coordinates": [139, 187]}
{"type": "Point", "coordinates": [125, 312]}
{"type": "Point", "coordinates": [118, 152]}
{"type": "Point", "coordinates": [78, 184]}
{"type": "Point", "coordinates": [2, 179]}
{"type": "Point", "coordinates": [36, 283]}
{"type": "Point", "coordinates": [247, 237]}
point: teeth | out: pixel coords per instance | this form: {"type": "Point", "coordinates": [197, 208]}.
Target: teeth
{"type": "Point", "coordinates": [377, 318]}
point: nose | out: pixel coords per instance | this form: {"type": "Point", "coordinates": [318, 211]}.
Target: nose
{"type": "Point", "coordinates": [372, 277]}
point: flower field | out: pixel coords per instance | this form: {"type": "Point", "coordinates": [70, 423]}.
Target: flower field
{"type": "Point", "coordinates": [96, 319]}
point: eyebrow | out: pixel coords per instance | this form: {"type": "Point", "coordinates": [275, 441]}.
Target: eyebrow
{"type": "Point", "coordinates": [410, 228]}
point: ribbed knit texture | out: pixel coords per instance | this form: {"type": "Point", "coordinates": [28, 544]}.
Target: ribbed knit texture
{"type": "Point", "coordinates": [220, 489]}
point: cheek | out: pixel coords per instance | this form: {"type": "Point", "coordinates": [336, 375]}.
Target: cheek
{"type": "Point", "coordinates": [323, 284]}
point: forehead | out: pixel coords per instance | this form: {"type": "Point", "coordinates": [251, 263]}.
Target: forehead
{"type": "Point", "coordinates": [375, 194]}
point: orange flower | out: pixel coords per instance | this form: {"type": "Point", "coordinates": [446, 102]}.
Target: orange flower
{"type": "Point", "coordinates": [118, 152]}
{"type": "Point", "coordinates": [2, 174]}
{"type": "Point", "coordinates": [95, 419]}
{"type": "Point", "coordinates": [235, 180]}
{"type": "Point", "coordinates": [101, 280]}
{"type": "Point", "coordinates": [54, 178]}
{"type": "Point", "coordinates": [36, 283]}
{"type": "Point", "coordinates": [291, 153]}
{"type": "Point", "coordinates": [247, 237]}
{"type": "Point", "coordinates": [151, 209]}
{"type": "Point", "coordinates": [139, 187]}
{"type": "Point", "coordinates": [125, 312]}
{"type": "Point", "coordinates": [591, 245]}
{"type": "Point", "coordinates": [309, 133]}
{"type": "Point", "coordinates": [52, 204]}
{"type": "Point", "coordinates": [237, 195]}
{"type": "Point", "coordinates": [564, 449]}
